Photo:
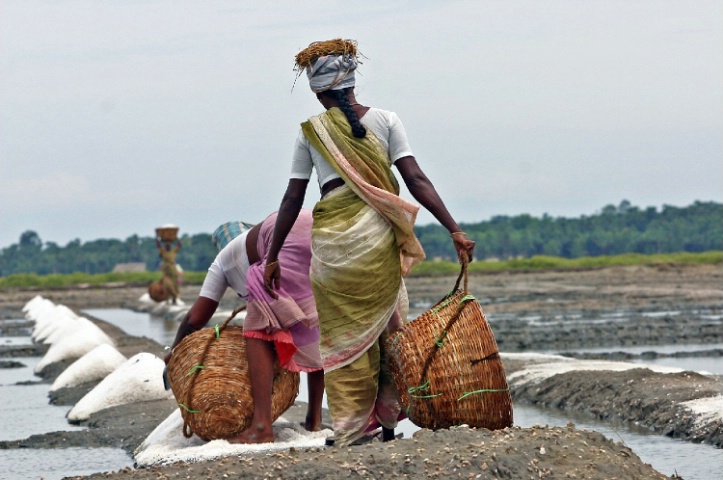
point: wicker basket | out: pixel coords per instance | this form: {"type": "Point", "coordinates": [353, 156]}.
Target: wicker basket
{"type": "Point", "coordinates": [447, 367]}
{"type": "Point", "coordinates": [167, 234]}
{"type": "Point", "coordinates": [208, 374]}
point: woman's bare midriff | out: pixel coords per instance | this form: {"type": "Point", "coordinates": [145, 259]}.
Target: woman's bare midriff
{"type": "Point", "coordinates": [331, 185]}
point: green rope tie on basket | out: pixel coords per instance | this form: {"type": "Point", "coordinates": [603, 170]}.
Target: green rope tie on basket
{"type": "Point", "coordinates": [440, 341]}
{"type": "Point", "coordinates": [424, 386]}
{"type": "Point", "coordinates": [187, 409]}
{"type": "Point", "coordinates": [194, 369]}
{"type": "Point", "coordinates": [485, 390]}
{"type": "Point", "coordinates": [466, 298]}
{"type": "Point", "coordinates": [443, 304]}
{"type": "Point", "coordinates": [218, 331]}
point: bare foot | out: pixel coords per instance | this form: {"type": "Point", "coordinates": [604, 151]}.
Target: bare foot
{"type": "Point", "coordinates": [259, 433]}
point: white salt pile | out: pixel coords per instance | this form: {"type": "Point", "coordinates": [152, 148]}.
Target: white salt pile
{"type": "Point", "coordinates": [139, 379]}
{"type": "Point", "coordinates": [49, 318]}
{"type": "Point", "coordinates": [74, 345]}
{"type": "Point", "coordinates": [94, 365]}
{"type": "Point", "coordinates": [33, 303]}
{"type": "Point", "coordinates": [68, 328]}
{"type": "Point", "coordinates": [166, 444]}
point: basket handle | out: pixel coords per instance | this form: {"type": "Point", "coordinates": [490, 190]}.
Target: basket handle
{"type": "Point", "coordinates": [464, 261]}
{"type": "Point", "coordinates": [187, 432]}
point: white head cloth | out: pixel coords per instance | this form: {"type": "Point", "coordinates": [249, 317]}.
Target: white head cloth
{"type": "Point", "coordinates": [332, 72]}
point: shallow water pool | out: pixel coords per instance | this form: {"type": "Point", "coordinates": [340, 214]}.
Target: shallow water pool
{"type": "Point", "coordinates": [55, 464]}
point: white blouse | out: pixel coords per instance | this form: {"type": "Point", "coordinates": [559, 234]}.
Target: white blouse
{"type": "Point", "coordinates": [385, 125]}
{"type": "Point", "coordinates": [228, 270]}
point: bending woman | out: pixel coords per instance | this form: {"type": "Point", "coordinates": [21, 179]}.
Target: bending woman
{"type": "Point", "coordinates": [362, 238]}
{"type": "Point", "coordinates": [286, 326]}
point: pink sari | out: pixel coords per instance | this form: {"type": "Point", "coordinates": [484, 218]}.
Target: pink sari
{"type": "Point", "coordinates": [290, 321]}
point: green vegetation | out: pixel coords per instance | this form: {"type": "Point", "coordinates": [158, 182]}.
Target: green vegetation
{"type": "Point", "coordinates": [613, 231]}
{"type": "Point", "coordinates": [428, 268]}
{"type": "Point", "coordinates": [523, 240]}
{"type": "Point", "coordinates": [542, 262]}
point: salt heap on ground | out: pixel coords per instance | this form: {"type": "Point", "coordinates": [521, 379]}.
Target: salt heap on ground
{"type": "Point", "coordinates": [76, 343]}
{"type": "Point", "coordinates": [94, 365]}
{"type": "Point", "coordinates": [49, 317]}
{"type": "Point", "coordinates": [166, 444]}
{"type": "Point", "coordinates": [34, 303]}
{"type": "Point", "coordinates": [139, 379]}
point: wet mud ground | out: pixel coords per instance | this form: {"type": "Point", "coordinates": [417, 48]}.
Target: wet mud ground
{"type": "Point", "coordinates": [558, 302]}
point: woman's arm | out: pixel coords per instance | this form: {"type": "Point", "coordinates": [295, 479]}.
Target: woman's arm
{"type": "Point", "coordinates": [424, 192]}
{"type": "Point", "coordinates": [288, 212]}
{"type": "Point", "coordinates": [196, 318]}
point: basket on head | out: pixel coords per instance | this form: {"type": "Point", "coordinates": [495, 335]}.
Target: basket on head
{"type": "Point", "coordinates": [209, 376]}
{"type": "Point", "coordinates": [447, 367]}
{"type": "Point", "coordinates": [167, 234]}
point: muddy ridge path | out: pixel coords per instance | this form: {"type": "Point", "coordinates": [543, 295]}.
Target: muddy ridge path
{"type": "Point", "coordinates": [562, 305]}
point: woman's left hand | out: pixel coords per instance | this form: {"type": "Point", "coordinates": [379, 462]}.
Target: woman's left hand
{"type": "Point", "coordinates": [463, 245]}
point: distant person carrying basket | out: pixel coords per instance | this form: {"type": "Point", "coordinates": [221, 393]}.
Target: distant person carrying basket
{"type": "Point", "coordinates": [168, 267]}
{"type": "Point", "coordinates": [362, 239]}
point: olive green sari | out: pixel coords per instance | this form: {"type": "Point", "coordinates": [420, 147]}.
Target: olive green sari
{"type": "Point", "coordinates": [362, 243]}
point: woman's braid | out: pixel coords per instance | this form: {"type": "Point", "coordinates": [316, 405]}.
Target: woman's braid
{"type": "Point", "coordinates": [357, 129]}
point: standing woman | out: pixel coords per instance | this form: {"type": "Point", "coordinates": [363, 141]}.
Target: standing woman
{"type": "Point", "coordinates": [168, 268]}
{"type": "Point", "coordinates": [363, 240]}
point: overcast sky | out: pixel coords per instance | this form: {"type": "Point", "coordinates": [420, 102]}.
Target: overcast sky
{"type": "Point", "coordinates": [120, 116]}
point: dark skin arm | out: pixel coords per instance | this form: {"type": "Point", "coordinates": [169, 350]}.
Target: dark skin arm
{"type": "Point", "coordinates": [288, 212]}
{"type": "Point", "coordinates": [196, 318]}
{"type": "Point", "coordinates": [424, 192]}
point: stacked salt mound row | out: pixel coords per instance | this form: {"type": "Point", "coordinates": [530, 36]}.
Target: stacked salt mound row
{"type": "Point", "coordinates": [94, 365]}
{"type": "Point", "coordinates": [69, 335]}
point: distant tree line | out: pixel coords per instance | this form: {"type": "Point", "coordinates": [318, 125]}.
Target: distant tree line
{"type": "Point", "coordinates": [614, 230]}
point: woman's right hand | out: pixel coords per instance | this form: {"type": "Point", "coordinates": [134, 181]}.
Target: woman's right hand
{"type": "Point", "coordinates": [463, 245]}
{"type": "Point", "coordinates": [272, 278]}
